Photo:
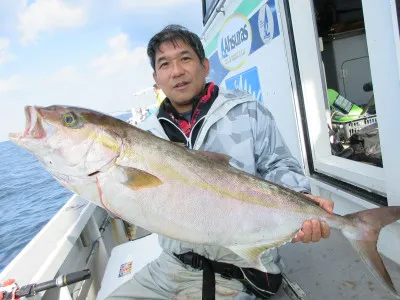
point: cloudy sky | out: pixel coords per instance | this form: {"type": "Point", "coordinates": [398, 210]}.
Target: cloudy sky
{"type": "Point", "coordinates": [90, 53]}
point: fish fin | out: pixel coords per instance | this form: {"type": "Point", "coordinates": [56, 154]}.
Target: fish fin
{"type": "Point", "coordinates": [363, 236]}
{"type": "Point", "coordinates": [251, 254]}
{"type": "Point", "coordinates": [214, 156]}
{"type": "Point", "coordinates": [138, 179]}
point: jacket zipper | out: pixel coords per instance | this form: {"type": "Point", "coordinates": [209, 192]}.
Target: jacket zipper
{"type": "Point", "coordinates": [191, 131]}
{"type": "Point", "coordinates": [189, 139]}
{"type": "Point", "coordinates": [177, 127]}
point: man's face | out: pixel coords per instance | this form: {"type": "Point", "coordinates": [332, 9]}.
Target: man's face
{"type": "Point", "coordinates": [179, 73]}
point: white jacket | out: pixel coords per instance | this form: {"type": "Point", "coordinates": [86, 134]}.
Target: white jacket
{"type": "Point", "coordinates": [241, 127]}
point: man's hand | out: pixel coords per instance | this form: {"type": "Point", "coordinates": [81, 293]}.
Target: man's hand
{"type": "Point", "coordinates": [313, 230]}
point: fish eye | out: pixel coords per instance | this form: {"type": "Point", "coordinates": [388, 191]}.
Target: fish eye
{"type": "Point", "coordinates": [69, 119]}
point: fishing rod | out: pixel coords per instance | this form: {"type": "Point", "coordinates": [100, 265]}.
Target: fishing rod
{"type": "Point", "coordinates": [9, 290]}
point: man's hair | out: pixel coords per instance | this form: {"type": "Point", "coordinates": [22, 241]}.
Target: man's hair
{"type": "Point", "coordinates": [174, 33]}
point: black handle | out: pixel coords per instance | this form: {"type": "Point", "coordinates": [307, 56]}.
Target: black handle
{"type": "Point", "coordinates": [368, 87]}
{"type": "Point", "coordinates": [62, 280]}
{"type": "Point", "coordinates": [77, 276]}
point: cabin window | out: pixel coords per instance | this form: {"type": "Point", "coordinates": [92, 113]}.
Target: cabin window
{"type": "Point", "coordinates": [337, 94]}
{"type": "Point", "coordinates": [351, 101]}
{"type": "Point", "coordinates": [397, 5]}
{"type": "Point", "coordinates": [208, 8]}
{"type": "Point", "coordinates": [396, 23]}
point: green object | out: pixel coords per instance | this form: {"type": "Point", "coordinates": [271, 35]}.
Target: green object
{"type": "Point", "coordinates": [342, 109]}
{"type": "Point", "coordinates": [245, 8]}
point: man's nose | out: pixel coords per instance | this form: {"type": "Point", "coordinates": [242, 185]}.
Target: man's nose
{"type": "Point", "coordinates": [177, 69]}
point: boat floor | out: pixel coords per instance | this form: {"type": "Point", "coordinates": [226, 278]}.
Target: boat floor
{"type": "Point", "coordinates": [332, 270]}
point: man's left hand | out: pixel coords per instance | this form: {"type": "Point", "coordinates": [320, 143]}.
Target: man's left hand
{"type": "Point", "coordinates": [313, 230]}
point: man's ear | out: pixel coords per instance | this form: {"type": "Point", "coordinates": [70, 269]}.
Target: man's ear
{"type": "Point", "coordinates": [155, 77]}
{"type": "Point", "coordinates": [206, 66]}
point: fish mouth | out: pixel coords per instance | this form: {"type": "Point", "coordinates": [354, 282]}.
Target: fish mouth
{"type": "Point", "coordinates": [34, 125]}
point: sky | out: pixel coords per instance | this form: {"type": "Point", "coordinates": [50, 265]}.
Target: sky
{"type": "Point", "coordinates": [87, 53]}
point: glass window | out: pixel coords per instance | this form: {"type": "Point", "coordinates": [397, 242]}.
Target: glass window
{"type": "Point", "coordinates": [208, 7]}
{"type": "Point", "coordinates": [339, 94]}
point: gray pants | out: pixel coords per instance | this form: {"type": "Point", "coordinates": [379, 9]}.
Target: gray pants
{"type": "Point", "coordinates": [167, 278]}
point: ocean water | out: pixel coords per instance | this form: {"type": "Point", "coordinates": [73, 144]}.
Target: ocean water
{"type": "Point", "coordinates": [29, 198]}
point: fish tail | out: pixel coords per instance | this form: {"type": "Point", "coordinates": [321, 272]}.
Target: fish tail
{"type": "Point", "coordinates": [363, 235]}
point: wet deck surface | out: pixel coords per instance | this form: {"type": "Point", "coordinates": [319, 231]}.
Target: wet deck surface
{"type": "Point", "coordinates": [332, 270]}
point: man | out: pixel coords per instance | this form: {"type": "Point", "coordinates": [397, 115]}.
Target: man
{"type": "Point", "coordinates": [160, 96]}
{"type": "Point", "coordinates": [202, 116]}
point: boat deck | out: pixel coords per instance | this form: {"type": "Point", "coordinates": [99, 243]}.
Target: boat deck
{"type": "Point", "coordinates": [332, 270]}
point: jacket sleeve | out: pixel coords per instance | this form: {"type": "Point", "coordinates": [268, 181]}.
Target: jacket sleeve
{"type": "Point", "coordinates": [274, 161]}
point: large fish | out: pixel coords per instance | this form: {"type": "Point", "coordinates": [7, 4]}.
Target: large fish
{"type": "Point", "coordinates": [184, 194]}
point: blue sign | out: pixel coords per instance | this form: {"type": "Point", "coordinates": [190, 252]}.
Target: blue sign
{"type": "Point", "coordinates": [246, 81]}
{"type": "Point", "coordinates": [264, 27]}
